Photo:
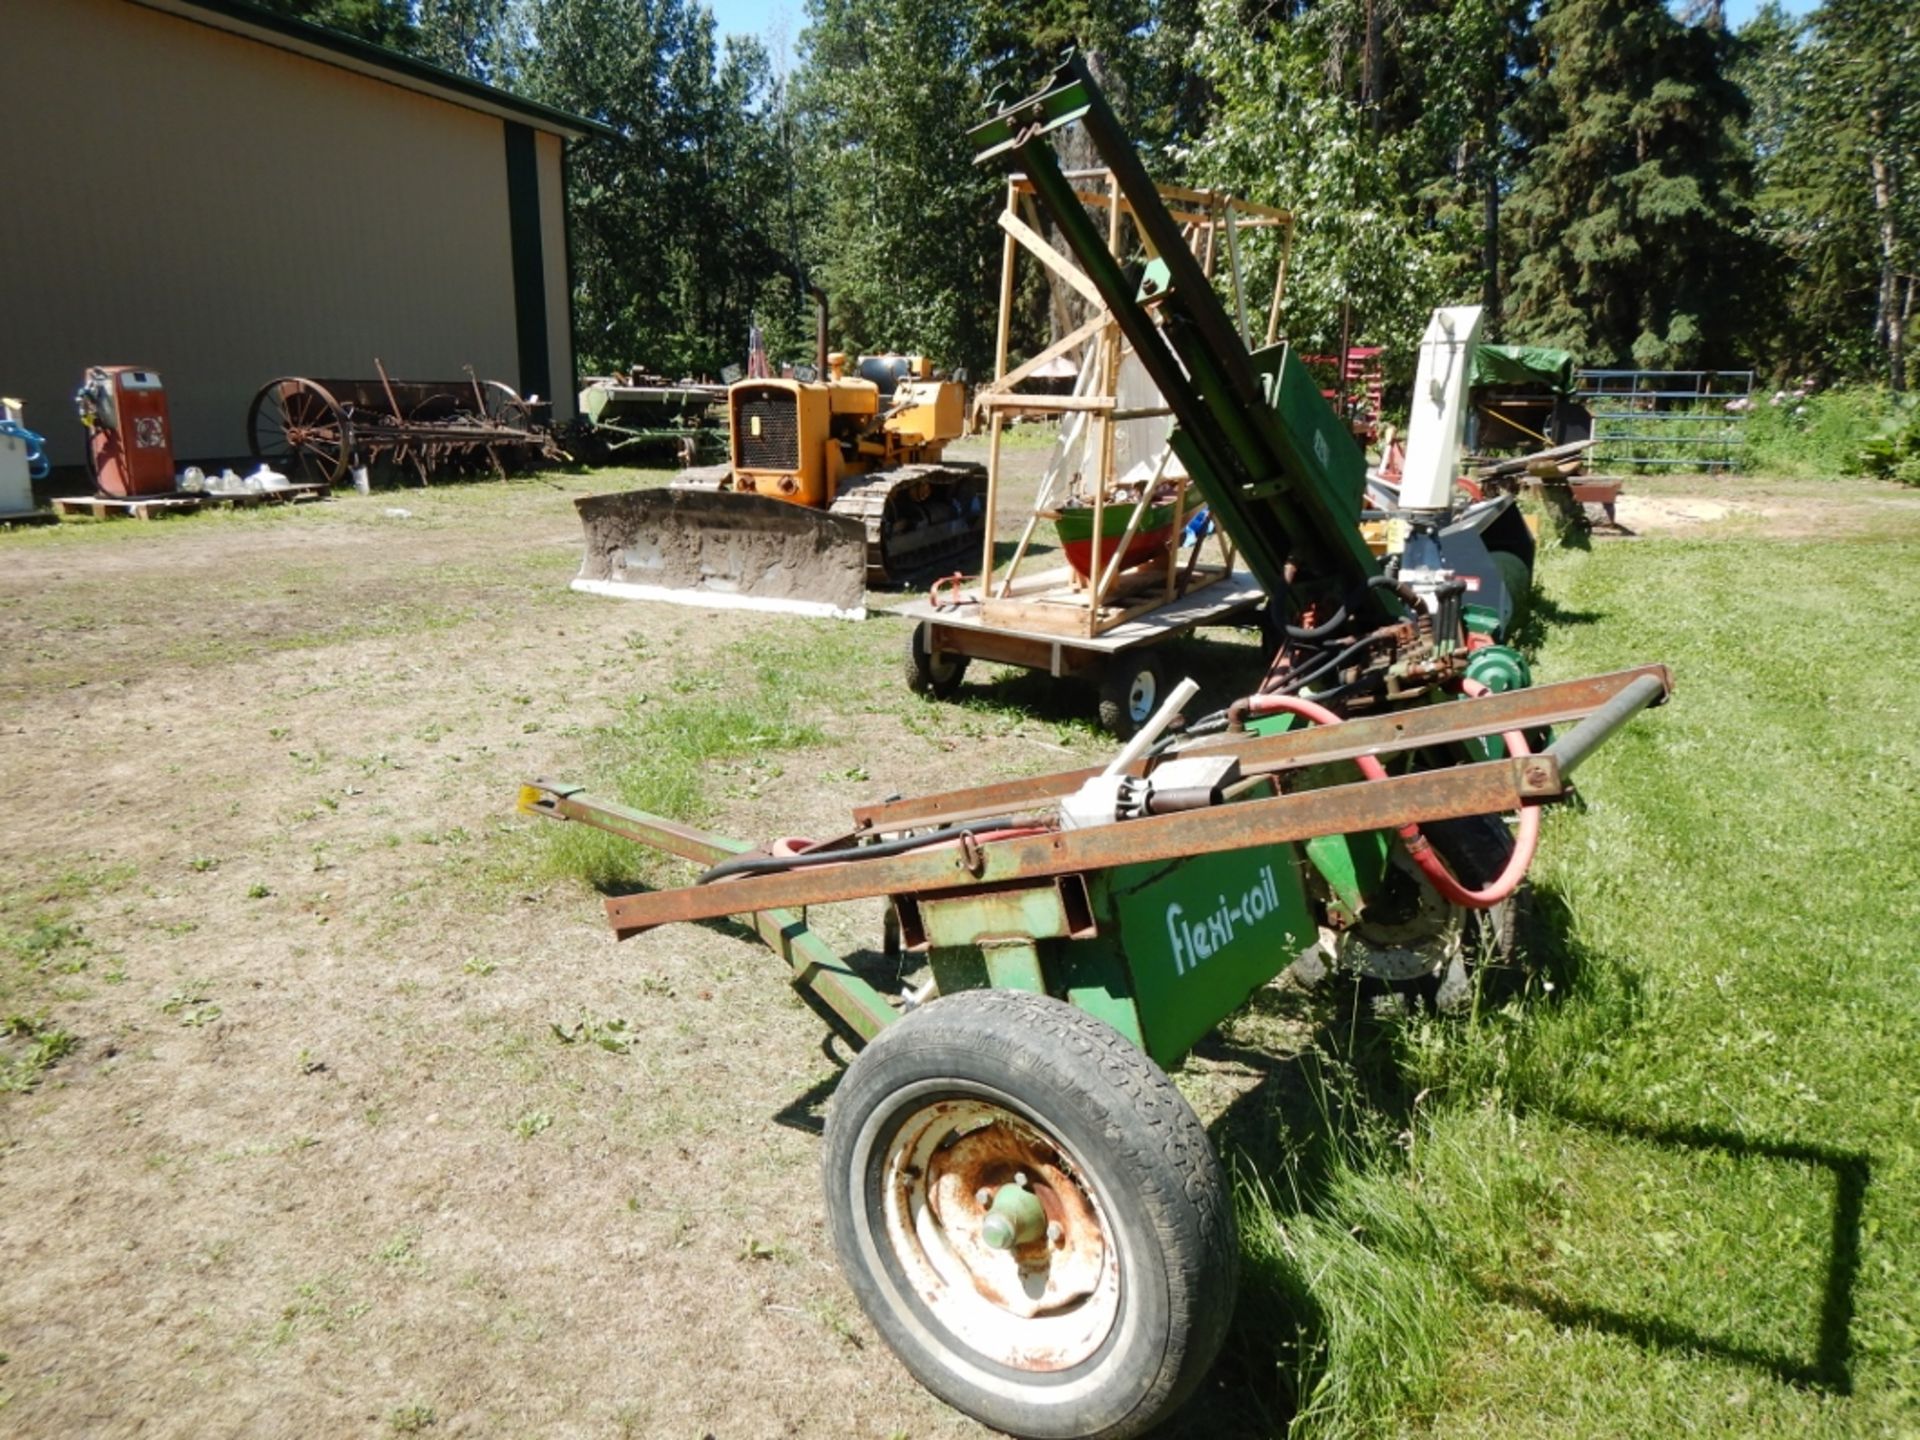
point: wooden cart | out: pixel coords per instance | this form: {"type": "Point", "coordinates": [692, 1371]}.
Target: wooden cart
{"type": "Point", "coordinates": [1112, 489]}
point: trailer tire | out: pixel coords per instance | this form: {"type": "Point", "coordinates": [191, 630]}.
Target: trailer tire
{"type": "Point", "coordinates": [1135, 1289]}
{"type": "Point", "coordinates": [925, 674]}
{"type": "Point", "coordinates": [1131, 689]}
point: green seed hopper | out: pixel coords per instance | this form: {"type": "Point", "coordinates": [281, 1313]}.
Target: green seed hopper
{"type": "Point", "coordinates": [1025, 1207]}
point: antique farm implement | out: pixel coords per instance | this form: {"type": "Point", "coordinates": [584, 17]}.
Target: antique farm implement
{"type": "Point", "coordinates": [315, 430]}
{"type": "Point", "coordinates": [1027, 1209]}
{"type": "Point", "coordinates": [1025, 1206]}
{"type": "Point", "coordinates": [1215, 424]}
{"type": "Point", "coordinates": [621, 412]}
{"type": "Point", "coordinates": [1113, 494]}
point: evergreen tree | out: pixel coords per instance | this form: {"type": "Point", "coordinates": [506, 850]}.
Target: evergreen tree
{"type": "Point", "coordinates": [669, 224]}
{"type": "Point", "coordinates": [1628, 219]}
{"type": "Point", "coordinates": [900, 228]}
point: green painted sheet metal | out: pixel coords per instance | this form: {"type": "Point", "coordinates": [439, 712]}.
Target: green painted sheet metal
{"type": "Point", "coordinates": [1093, 977]}
{"type": "Point", "coordinates": [1354, 867]}
{"type": "Point", "coordinates": [1200, 935]}
{"type": "Point", "coordinates": [1014, 965]}
{"type": "Point", "coordinates": [1034, 912]}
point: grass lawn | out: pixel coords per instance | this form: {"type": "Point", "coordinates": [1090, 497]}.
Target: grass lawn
{"type": "Point", "coordinates": [1667, 1184]}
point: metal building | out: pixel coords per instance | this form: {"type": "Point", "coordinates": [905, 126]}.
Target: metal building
{"type": "Point", "coordinates": [226, 196]}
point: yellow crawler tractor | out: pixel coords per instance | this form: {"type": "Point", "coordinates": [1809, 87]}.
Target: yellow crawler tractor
{"type": "Point", "coordinates": [832, 484]}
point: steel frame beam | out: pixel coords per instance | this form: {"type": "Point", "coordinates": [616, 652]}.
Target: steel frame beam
{"type": "Point", "coordinates": [1487, 788]}
{"type": "Point", "coordinates": [1408, 728]}
{"type": "Point", "coordinates": [815, 968]}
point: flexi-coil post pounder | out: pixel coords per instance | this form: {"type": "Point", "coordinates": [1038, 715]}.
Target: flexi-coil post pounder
{"type": "Point", "coordinates": [1025, 1207]}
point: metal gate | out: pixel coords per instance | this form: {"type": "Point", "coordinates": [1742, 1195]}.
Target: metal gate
{"type": "Point", "coordinates": [1667, 419]}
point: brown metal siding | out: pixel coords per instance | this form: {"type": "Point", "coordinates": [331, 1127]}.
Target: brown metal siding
{"type": "Point", "coordinates": [226, 212]}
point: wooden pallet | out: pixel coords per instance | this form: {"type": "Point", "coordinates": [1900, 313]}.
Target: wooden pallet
{"type": "Point", "coordinates": [152, 507]}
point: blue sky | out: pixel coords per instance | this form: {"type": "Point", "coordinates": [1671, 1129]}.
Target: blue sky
{"type": "Point", "coordinates": [777, 22]}
{"type": "Point", "coordinates": [1738, 11]}
{"type": "Point", "coordinates": [763, 18]}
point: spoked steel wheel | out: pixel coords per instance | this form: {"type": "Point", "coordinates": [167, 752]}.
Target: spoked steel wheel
{"type": "Point", "coordinates": [505, 407]}
{"type": "Point", "coordinates": [299, 429]}
{"type": "Point", "coordinates": [1031, 1216]}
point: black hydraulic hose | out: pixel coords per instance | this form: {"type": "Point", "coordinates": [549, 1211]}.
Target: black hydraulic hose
{"type": "Point", "coordinates": [1402, 591]}
{"type": "Point", "coordinates": [1307, 635]}
{"type": "Point", "coordinates": [1340, 619]}
{"type": "Point", "coordinates": [1331, 664]}
{"type": "Point", "coordinates": [773, 864]}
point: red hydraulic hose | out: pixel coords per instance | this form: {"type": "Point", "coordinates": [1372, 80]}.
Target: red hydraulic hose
{"type": "Point", "coordinates": [1525, 843]}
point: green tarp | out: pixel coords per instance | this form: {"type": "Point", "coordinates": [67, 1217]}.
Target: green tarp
{"type": "Point", "coordinates": [1523, 365]}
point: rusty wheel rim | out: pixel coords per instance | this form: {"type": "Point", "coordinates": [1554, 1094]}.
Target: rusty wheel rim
{"type": "Point", "coordinates": [296, 426]}
{"type": "Point", "coordinates": [1046, 1304]}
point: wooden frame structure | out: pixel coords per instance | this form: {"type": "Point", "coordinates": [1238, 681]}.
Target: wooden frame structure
{"type": "Point", "coordinates": [1058, 601]}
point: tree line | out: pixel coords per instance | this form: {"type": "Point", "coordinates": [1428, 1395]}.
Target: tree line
{"type": "Point", "coordinates": [1641, 185]}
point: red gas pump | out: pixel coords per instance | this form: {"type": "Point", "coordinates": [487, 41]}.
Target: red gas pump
{"type": "Point", "coordinates": [129, 434]}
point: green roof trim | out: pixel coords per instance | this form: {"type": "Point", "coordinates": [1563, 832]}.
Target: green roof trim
{"type": "Point", "coordinates": [365, 57]}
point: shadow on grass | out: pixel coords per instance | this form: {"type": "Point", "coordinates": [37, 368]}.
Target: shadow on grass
{"type": "Point", "coordinates": [1545, 616]}
{"type": "Point", "coordinates": [1315, 1116]}
{"type": "Point", "coordinates": [1291, 1134]}
{"type": "Point", "coordinates": [1830, 1367]}
{"type": "Point", "coordinates": [1294, 1131]}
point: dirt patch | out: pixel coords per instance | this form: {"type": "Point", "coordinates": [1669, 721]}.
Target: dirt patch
{"type": "Point", "coordinates": [1658, 515]}
{"type": "Point", "coordinates": [1703, 506]}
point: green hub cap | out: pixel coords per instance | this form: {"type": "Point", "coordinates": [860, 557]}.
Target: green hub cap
{"type": "Point", "coordinates": [1015, 1218]}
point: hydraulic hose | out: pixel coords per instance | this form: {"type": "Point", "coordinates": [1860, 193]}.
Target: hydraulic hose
{"type": "Point", "coordinates": [1309, 633]}
{"type": "Point", "coordinates": [1235, 715]}
{"type": "Point", "coordinates": [1419, 850]}
{"type": "Point", "coordinates": [1332, 665]}
{"type": "Point", "coordinates": [999, 828]}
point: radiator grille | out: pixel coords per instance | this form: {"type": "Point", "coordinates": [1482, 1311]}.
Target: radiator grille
{"type": "Point", "coordinates": [766, 430]}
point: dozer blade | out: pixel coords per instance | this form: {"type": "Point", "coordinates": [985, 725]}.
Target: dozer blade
{"type": "Point", "coordinates": [723, 549]}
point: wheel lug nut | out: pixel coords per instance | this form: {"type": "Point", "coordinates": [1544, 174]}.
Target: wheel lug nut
{"type": "Point", "coordinates": [1056, 1232]}
{"type": "Point", "coordinates": [1020, 1178]}
{"type": "Point", "coordinates": [983, 1196]}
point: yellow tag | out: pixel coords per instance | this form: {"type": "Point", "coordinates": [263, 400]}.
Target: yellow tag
{"type": "Point", "coordinates": [1396, 536]}
{"type": "Point", "coordinates": [754, 423]}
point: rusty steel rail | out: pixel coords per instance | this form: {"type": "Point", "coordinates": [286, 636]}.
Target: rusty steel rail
{"type": "Point", "coordinates": [815, 968]}
{"type": "Point", "coordinates": [1406, 729]}
{"type": "Point", "coordinates": [1487, 788]}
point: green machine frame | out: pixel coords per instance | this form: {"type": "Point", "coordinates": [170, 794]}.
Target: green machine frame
{"type": "Point", "coordinates": [1159, 926]}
